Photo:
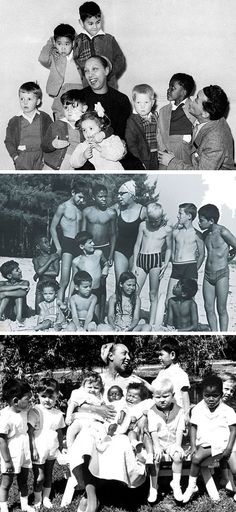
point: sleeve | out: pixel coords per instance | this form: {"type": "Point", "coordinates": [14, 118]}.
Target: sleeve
{"type": "Point", "coordinates": [194, 416]}
{"type": "Point", "coordinates": [45, 57]}
{"type": "Point", "coordinates": [231, 416]}
{"type": "Point", "coordinates": [33, 417]}
{"type": "Point", "coordinates": [211, 159]}
{"type": "Point", "coordinates": [78, 396]}
{"type": "Point", "coordinates": [118, 59]}
{"type": "Point", "coordinates": [184, 380]}
{"type": "Point", "coordinates": [4, 424]}
{"type": "Point", "coordinates": [113, 148]}
{"type": "Point", "coordinates": [10, 139]}
{"type": "Point", "coordinates": [61, 422]}
{"type": "Point", "coordinates": [181, 422]}
{"type": "Point", "coordinates": [77, 159]}
{"type": "Point", "coordinates": [51, 133]}
{"type": "Point", "coordinates": [152, 421]}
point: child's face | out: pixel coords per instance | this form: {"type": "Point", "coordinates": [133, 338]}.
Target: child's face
{"type": "Point", "coordinates": [129, 286]}
{"type": "Point", "coordinates": [154, 220]}
{"type": "Point", "coordinates": [44, 245]}
{"type": "Point", "coordinates": [228, 390]}
{"type": "Point", "coordinates": [175, 91]}
{"type": "Point", "coordinates": [90, 128]}
{"type": "Point", "coordinates": [100, 199]}
{"type": "Point", "coordinates": [92, 25]}
{"type": "Point", "coordinates": [88, 246]}
{"type": "Point", "coordinates": [49, 294]}
{"type": "Point", "coordinates": [143, 104]}
{"type": "Point", "coordinates": [78, 198]}
{"type": "Point", "coordinates": [166, 358]}
{"type": "Point", "coordinates": [93, 387]}
{"type": "Point", "coordinates": [84, 288]}
{"type": "Point", "coordinates": [212, 396]}
{"type": "Point", "coordinates": [74, 111]}
{"type": "Point", "coordinates": [28, 102]}
{"type": "Point", "coordinates": [114, 393]}
{"type": "Point", "coordinates": [133, 397]}
{"type": "Point", "coordinates": [182, 216]}
{"type": "Point", "coordinates": [163, 398]}
{"type": "Point", "coordinates": [24, 402]}
{"type": "Point", "coordinates": [48, 401]}
{"type": "Point", "coordinates": [16, 274]}
{"type": "Point", "coordinates": [204, 223]}
{"type": "Point", "coordinates": [63, 45]}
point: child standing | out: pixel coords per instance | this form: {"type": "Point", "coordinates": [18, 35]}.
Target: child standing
{"type": "Point", "coordinates": [46, 266]}
{"type": "Point", "coordinates": [83, 302]}
{"type": "Point", "coordinates": [62, 137]}
{"type": "Point", "coordinates": [92, 40]}
{"type": "Point", "coordinates": [166, 424]}
{"type": "Point", "coordinates": [182, 312]}
{"type": "Point", "coordinates": [57, 55]}
{"type": "Point", "coordinates": [175, 123]}
{"type": "Point", "coordinates": [141, 128]}
{"type": "Point", "coordinates": [14, 441]}
{"type": "Point", "coordinates": [218, 240]}
{"type": "Point", "coordinates": [13, 293]}
{"type": "Point", "coordinates": [45, 430]}
{"type": "Point", "coordinates": [104, 153]}
{"type": "Point", "coordinates": [152, 235]}
{"type": "Point", "coordinates": [169, 353]}
{"type": "Point", "coordinates": [25, 130]}
{"type": "Point", "coordinates": [50, 312]}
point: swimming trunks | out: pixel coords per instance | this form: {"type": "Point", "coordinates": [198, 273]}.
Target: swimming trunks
{"type": "Point", "coordinates": [127, 235]}
{"type": "Point", "coordinates": [149, 261]}
{"type": "Point", "coordinates": [213, 277]}
{"type": "Point", "coordinates": [69, 245]}
{"type": "Point", "coordinates": [187, 270]}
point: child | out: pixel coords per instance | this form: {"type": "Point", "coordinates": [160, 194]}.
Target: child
{"type": "Point", "coordinates": [57, 55]}
{"type": "Point", "coordinates": [166, 424]}
{"type": "Point", "coordinates": [229, 388]}
{"type": "Point", "coordinates": [46, 266]}
{"type": "Point", "coordinates": [45, 430]}
{"type": "Point", "coordinates": [152, 235]}
{"type": "Point", "coordinates": [92, 40]}
{"type": "Point", "coordinates": [175, 123]}
{"type": "Point", "coordinates": [124, 306]}
{"type": "Point", "coordinates": [50, 312]}
{"type": "Point", "coordinates": [83, 302]}
{"type": "Point", "coordinates": [182, 312]}
{"type": "Point", "coordinates": [13, 293]}
{"type": "Point", "coordinates": [25, 130]}
{"type": "Point", "coordinates": [104, 153]}
{"type": "Point", "coordinates": [92, 261]}
{"type": "Point", "coordinates": [218, 241]}
{"type": "Point", "coordinates": [14, 441]}
{"type": "Point", "coordinates": [141, 128]}
{"type": "Point", "coordinates": [62, 137]}
{"type": "Point", "coordinates": [213, 430]}
{"type": "Point", "coordinates": [169, 353]}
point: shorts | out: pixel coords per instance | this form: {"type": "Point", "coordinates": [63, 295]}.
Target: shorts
{"type": "Point", "coordinates": [149, 261]}
{"type": "Point", "coordinates": [20, 453]}
{"type": "Point", "coordinates": [213, 277]}
{"type": "Point", "coordinates": [187, 270]}
{"type": "Point", "coordinates": [69, 246]}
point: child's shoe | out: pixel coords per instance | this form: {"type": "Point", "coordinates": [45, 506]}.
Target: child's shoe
{"type": "Point", "coordinates": [177, 492]}
{"type": "Point", "coordinates": [47, 502]}
{"type": "Point", "coordinates": [24, 504]}
{"type": "Point", "coordinates": [189, 493]}
{"type": "Point", "coordinates": [152, 496]}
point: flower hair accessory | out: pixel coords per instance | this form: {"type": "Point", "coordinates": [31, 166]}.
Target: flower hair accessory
{"type": "Point", "coordinates": [99, 109]}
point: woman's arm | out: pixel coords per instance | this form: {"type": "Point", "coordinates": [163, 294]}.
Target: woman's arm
{"type": "Point", "coordinates": [138, 245]}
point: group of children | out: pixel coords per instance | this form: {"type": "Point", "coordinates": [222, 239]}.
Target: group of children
{"type": "Point", "coordinates": [79, 135]}
{"type": "Point", "coordinates": [32, 434]}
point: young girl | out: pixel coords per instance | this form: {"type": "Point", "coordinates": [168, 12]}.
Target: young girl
{"type": "Point", "coordinates": [103, 151]}
{"type": "Point", "coordinates": [45, 431]}
{"type": "Point", "coordinates": [14, 441]}
{"type": "Point", "coordinates": [50, 312]}
{"type": "Point", "coordinates": [46, 266]}
{"type": "Point", "coordinates": [124, 306]}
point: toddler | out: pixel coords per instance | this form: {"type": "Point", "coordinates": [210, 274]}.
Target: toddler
{"type": "Point", "coordinates": [13, 293]}
{"type": "Point", "coordinates": [182, 312]}
{"type": "Point", "coordinates": [46, 266]}
{"type": "Point", "coordinates": [50, 309]}
{"type": "Point", "coordinates": [101, 151]}
{"type": "Point", "coordinates": [57, 55]}
{"type": "Point", "coordinates": [83, 302]}
{"type": "Point", "coordinates": [166, 424]}
{"type": "Point", "coordinates": [25, 130]}
{"type": "Point", "coordinates": [45, 430]}
{"type": "Point", "coordinates": [14, 441]}
{"type": "Point", "coordinates": [141, 128]}
{"type": "Point", "coordinates": [62, 137]}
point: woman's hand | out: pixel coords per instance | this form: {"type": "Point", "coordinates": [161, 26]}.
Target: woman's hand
{"type": "Point", "coordinates": [107, 412]}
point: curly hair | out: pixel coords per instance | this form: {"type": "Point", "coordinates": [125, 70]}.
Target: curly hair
{"type": "Point", "coordinates": [217, 101]}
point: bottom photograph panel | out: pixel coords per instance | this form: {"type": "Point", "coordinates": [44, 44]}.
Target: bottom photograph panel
{"type": "Point", "coordinates": [118, 422]}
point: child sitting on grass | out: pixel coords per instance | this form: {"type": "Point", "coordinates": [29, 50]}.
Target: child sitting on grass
{"type": "Point", "coordinates": [13, 293]}
{"type": "Point", "coordinates": [50, 309]}
{"type": "Point", "coordinates": [83, 303]}
{"type": "Point", "coordinates": [182, 312]}
{"type": "Point", "coordinates": [46, 266]}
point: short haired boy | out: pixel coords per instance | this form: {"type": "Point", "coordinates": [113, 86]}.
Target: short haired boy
{"type": "Point", "coordinates": [166, 424]}
{"type": "Point", "coordinates": [182, 312]}
{"type": "Point", "coordinates": [218, 240]}
{"type": "Point", "coordinates": [169, 353]}
{"type": "Point", "coordinates": [62, 136]}
{"type": "Point", "coordinates": [13, 293]}
{"type": "Point", "coordinates": [175, 123]}
{"type": "Point", "coordinates": [92, 40]}
{"type": "Point", "coordinates": [83, 302]}
{"type": "Point", "coordinates": [141, 128]}
{"type": "Point", "coordinates": [26, 129]}
{"type": "Point", "coordinates": [57, 56]}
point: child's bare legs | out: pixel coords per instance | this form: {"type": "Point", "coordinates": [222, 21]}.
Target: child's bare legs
{"type": "Point", "coordinates": [3, 304]}
{"type": "Point", "coordinates": [66, 261]}
{"type": "Point", "coordinates": [199, 456]}
{"type": "Point", "coordinates": [72, 432]}
{"type": "Point", "coordinates": [42, 326]}
{"type": "Point", "coordinates": [90, 484]}
{"type": "Point", "coordinates": [232, 473]}
{"type": "Point", "coordinates": [154, 471]}
{"type": "Point", "coordinates": [222, 291]}
{"type": "Point", "coordinates": [43, 483]}
{"type": "Point", "coordinates": [209, 304]}
{"type": "Point", "coordinates": [177, 470]}
{"type": "Point", "coordinates": [22, 480]}
{"type": "Point", "coordinates": [153, 294]}
{"type": "Point", "coordinates": [4, 491]}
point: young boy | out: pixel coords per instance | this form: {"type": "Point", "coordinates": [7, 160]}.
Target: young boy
{"type": "Point", "coordinates": [92, 261]}
{"type": "Point", "coordinates": [229, 388]}
{"type": "Point", "coordinates": [213, 430]}
{"type": "Point", "coordinates": [57, 55]}
{"type": "Point", "coordinates": [25, 130]}
{"type": "Point", "coordinates": [83, 302]}
{"type": "Point", "coordinates": [62, 136]}
{"type": "Point", "coordinates": [152, 235]}
{"type": "Point", "coordinates": [218, 241]}
{"type": "Point", "coordinates": [166, 424]}
{"type": "Point", "coordinates": [100, 221]}
{"type": "Point", "coordinates": [175, 123]}
{"type": "Point", "coordinates": [50, 313]}
{"type": "Point", "coordinates": [92, 40]}
{"type": "Point", "coordinates": [141, 128]}
{"type": "Point", "coordinates": [182, 311]}
{"type": "Point", "coordinates": [13, 293]}
{"type": "Point", "coordinates": [169, 353]}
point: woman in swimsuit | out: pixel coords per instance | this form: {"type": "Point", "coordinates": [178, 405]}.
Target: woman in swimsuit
{"type": "Point", "coordinates": [130, 215]}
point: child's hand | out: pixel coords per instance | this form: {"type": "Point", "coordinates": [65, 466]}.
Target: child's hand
{"type": "Point", "coordinates": [88, 153]}
{"type": "Point", "coordinates": [54, 51]}
{"type": "Point", "coordinates": [162, 271]}
{"type": "Point", "coordinates": [35, 455]}
{"type": "Point", "coordinates": [9, 467]}
{"type": "Point", "coordinates": [225, 454]}
{"type": "Point", "coordinates": [24, 286]}
{"type": "Point", "coordinates": [157, 454]}
{"type": "Point", "coordinates": [59, 143]}
{"type": "Point", "coordinates": [99, 137]}
{"type": "Point", "coordinates": [68, 420]}
{"type": "Point", "coordinates": [54, 256]}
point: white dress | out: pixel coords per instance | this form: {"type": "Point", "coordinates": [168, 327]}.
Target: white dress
{"type": "Point", "coordinates": [46, 422]}
{"type": "Point", "coordinates": [111, 151]}
{"type": "Point", "coordinates": [14, 426]}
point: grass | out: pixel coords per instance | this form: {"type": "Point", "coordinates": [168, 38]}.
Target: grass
{"type": "Point", "coordinates": [115, 497]}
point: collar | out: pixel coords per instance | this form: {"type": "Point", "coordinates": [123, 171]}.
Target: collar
{"type": "Point", "coordinates": [70, 56]}
{"type": "Point", "coordinates": [172, 413]}
{"type": "Point", "coordinates": [148, 118]}
{"type": "Point", "coordinates": [30, 119]}
{"type": "Point", "coordinates": [174, 107]}
{"type": "Point", "coordinates": [100, 33]}
{"type": "Point", "coordinates": [198, 126]}
{"type": "Point", "coordinates": [68, 122]}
